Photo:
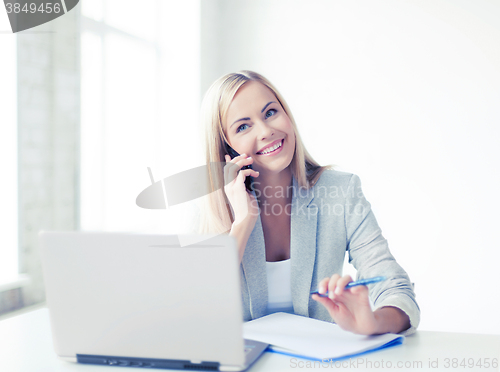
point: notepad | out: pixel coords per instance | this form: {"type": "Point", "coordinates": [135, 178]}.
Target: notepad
{"type": "Point", "coordinates": [313, 339]}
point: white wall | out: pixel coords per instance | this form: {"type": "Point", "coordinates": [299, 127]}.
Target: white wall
{"type": "Point", "coordinates": [405, 94]}
{"type": "Point", "coordinates": [8, 151]}
{"type": "Point", "coordinates": [48, 96]}
{"type": "Point", "coordinates": [140, 102]}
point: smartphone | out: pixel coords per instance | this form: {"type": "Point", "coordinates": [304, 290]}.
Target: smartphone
{"type": "Point", "coordinates": [248, 179]}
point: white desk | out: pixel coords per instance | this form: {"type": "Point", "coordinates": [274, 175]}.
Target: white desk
{"type": "Point", "coordinates": [26, 345]}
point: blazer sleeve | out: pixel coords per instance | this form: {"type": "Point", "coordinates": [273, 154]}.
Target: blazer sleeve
{"type": "Point", "coordinates": [369, 253]}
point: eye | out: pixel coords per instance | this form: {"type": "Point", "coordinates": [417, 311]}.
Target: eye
{"type": "Point", "coordinates": [239, 128]}
{"type": "Point", "coordinates": [271, 110]}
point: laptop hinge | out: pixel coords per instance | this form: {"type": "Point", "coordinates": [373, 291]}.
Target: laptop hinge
{"type": "Point", "coordinates": [146, 362]}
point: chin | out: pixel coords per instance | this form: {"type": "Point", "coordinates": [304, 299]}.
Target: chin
{"type": "Point", "coordinates": [277, 169]}
{"type": "Point", "coordinates": [274, 167]}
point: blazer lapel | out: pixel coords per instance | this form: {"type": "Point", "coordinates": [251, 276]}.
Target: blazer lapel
{"type": "Point", "coordinates": [254, 267]}
{"type": "Point", "coordinates": [303, 247]}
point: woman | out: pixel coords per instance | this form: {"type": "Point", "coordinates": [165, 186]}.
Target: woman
{"type": "Point", "coordinates": [295, 220]}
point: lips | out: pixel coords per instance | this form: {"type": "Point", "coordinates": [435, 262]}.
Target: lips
{"type": "Point", "coordinates": [270, 146]}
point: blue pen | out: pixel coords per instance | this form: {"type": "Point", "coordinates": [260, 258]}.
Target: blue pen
{"type": "Point", "coordinates": [354, 284]}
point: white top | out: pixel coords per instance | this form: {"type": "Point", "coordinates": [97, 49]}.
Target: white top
{"type": "Point", "coordinates": [279, 287]}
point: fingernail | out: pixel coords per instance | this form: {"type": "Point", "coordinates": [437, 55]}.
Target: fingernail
{"type": "Point", "coordinates": [337, 291]}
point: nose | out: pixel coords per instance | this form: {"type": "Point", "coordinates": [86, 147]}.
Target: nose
{"type": "Point", "coordinates": [265, 130]}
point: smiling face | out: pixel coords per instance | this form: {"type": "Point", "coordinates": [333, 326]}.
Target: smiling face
{"type": "Point", "coordinates": [256, 124]}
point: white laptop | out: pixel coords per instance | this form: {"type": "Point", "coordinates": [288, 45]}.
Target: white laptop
{"type": "Point", "coordinates": [144, 301]}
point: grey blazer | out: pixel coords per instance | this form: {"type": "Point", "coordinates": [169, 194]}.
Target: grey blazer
{"type": "Point", "coordinates": [328, 220]}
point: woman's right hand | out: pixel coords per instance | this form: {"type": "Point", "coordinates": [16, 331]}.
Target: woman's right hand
{"type": "Point", "coordinates": [243, 203]}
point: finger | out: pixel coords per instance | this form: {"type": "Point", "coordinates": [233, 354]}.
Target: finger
{"type": "Point", "coordinates": [234, 165]}
{"type": "Point", "coordinates": [234, 160]}
{"type": "Point", "coordinates": [322, 286]}
{"type": "Point", "coordinates": [341, 283]}
{"type": "Point", "coordinates": [230, 172]}
{"type": "Point", "coordinates": [245, 161]}
{"type": "Point", "coordinates": [237, 167]}
{"type": "Point", "coordinates": [326, 302]}
{"type": "Point", "coordinates": [239, 157]}
{"type": "Point", "coordinates": [226, 169]}
{"type": "Point", "coordinates": [359, 289]}
{"type": "Point", "coordinates": [250, 172]}
{"type": "Point", "coordinates": [332, 284]}
{"type": "Point", "coordinates": [332, 307]}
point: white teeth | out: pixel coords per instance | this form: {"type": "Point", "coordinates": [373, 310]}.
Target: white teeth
{"type": "Point", "coordinates": [271, 148]}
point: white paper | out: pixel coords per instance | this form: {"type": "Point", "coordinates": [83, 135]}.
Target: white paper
{"type": "Point", "coordinates": [310, 337]}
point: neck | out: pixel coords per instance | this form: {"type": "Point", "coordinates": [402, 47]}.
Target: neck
{"type": "Point", "coordinates": [275, 186]}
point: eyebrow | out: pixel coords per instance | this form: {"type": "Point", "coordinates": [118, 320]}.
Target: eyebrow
{"type": "Point", "coordinates": [249, 118]}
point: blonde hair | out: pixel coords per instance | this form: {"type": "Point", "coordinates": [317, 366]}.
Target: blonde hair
{"type": "Point", "coordinates": [216, 215]}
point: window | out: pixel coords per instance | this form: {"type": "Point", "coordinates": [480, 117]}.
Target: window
{"type": "Point", "coordinates": [136, 93]}
{"type": "Point", "coordinates": [8, 152]}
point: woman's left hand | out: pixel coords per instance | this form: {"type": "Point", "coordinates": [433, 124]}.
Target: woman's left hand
{"type": "Point", "coordinates": [349, 308]}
